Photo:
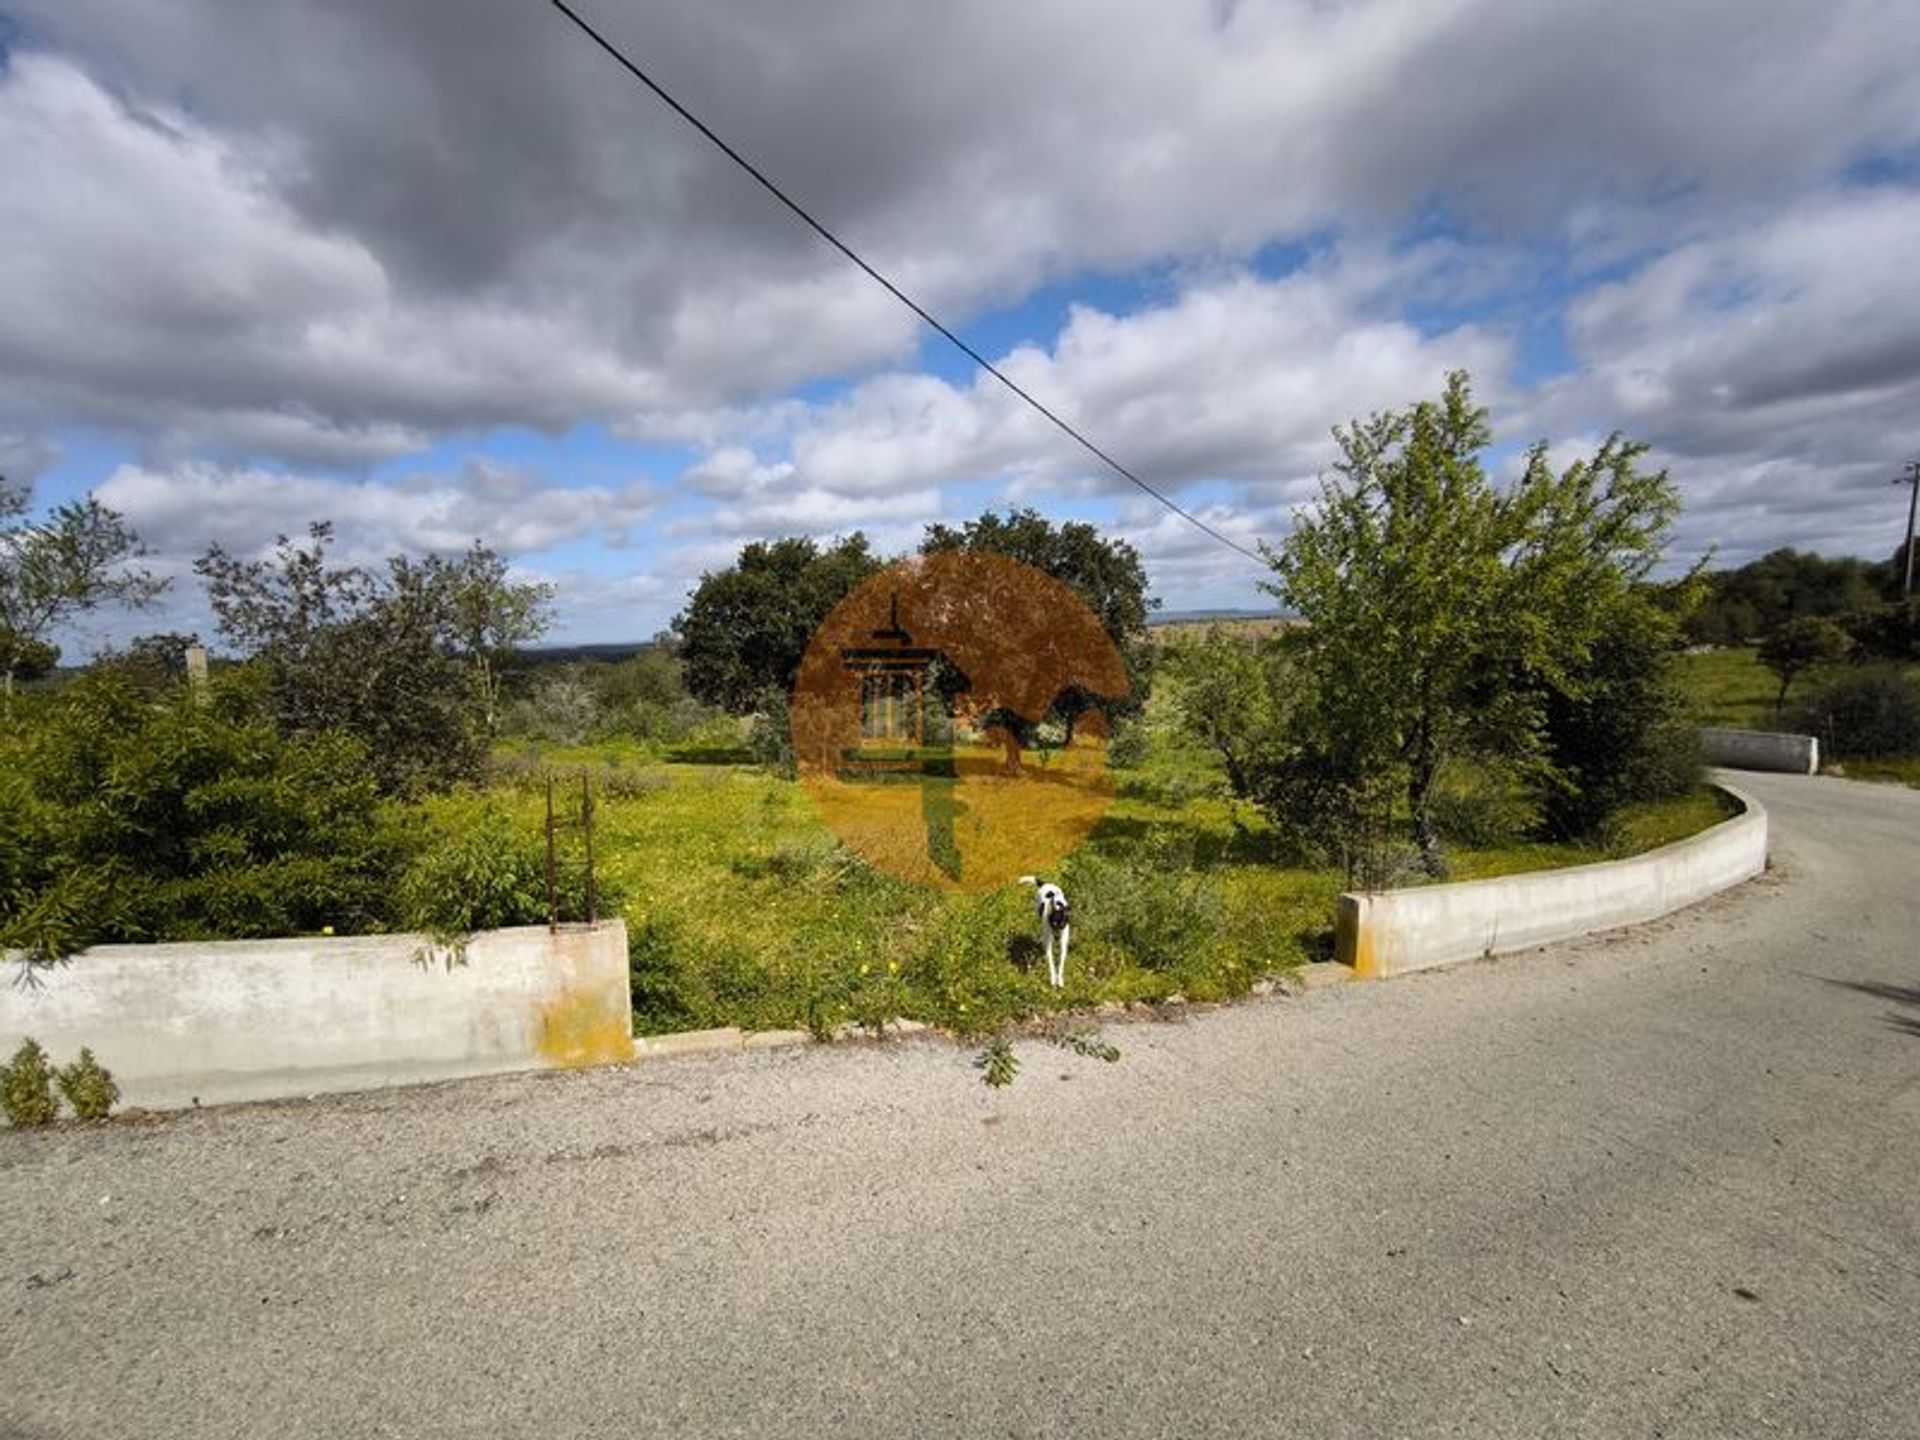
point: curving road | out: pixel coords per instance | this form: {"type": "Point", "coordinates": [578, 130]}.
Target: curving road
{"type": "Point", "coordinates": [1661, 1184]}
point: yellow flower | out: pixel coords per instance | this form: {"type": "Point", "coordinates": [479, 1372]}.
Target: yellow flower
{"type": "Point", "coordinates": [326, 929]}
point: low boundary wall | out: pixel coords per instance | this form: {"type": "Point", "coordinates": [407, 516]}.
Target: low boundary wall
{"type": "Point", "coordinates": [180, 1024]}
{"type": "Point", "coordinates": [1760, 750]}
{"type": "Point", "coordinates": [1393, 931]}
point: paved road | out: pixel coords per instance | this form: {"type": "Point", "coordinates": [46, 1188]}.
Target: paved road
{"type": "Point", "coordinates": [1664, 1184]}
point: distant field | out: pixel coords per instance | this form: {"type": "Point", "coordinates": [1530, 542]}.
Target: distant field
{"type": "Point", "coordinates": [1245, 627]}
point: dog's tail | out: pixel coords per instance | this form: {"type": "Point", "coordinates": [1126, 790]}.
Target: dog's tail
{"type": "Point", "coordinates": [1030, 880]}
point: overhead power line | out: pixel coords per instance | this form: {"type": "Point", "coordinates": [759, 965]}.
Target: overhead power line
{"type": "Point", "coordinates": [892, 289]}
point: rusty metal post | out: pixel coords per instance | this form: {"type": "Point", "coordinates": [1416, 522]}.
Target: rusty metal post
{"type": "Point", "coordinates": [586, 826]}
{"type": "Point", "coordinates": [553, 889]}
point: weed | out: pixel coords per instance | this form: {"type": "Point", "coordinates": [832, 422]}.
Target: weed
{"type": "Point", "coordinates": [997, 1063]}
{"type": "Point", "coordinates": [26, 1087]}
{"type": "Point", "coordinates": [89, 1087]}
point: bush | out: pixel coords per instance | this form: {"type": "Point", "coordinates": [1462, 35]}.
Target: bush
{"type": "Point", "coordinates": [1130, 743]}
{"type": "Point", "coordinates": [1151, 907]}
{"type": "Point", "coordinates": [26, 1087]}
{"type": "Point", "coordinates": [562, 709]}
{"type": "Point", "coordinates": [1482, 807]}
{"type": "Point", "coordinates": [1872, 713]}
{"type": "Point", "coordinates": [1888, 632]}
{"type": "Point", "coordinates": [479, 871]}
{"type": "Point", "coordinates": [973, 969]}
{"type": "Point", "coordinates": [770, 735]}
{"type": "Point", "coordinates": [127, 819]}
{"type": "Point", "coordinates": [89, 1087]}
{"type": "Point", "coordinates": [1620, 735]}
{"type": "Point", "coordinates": [654, 977]}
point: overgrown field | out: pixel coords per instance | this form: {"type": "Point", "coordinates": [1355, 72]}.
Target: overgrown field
{"type": "Point", "coordinates": [745, 910]}
{"type": "Point", "coordinates": [1731, 687]}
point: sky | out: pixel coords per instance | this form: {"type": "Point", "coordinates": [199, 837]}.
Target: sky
{"type": "Point", "coordinates": [441, 272]}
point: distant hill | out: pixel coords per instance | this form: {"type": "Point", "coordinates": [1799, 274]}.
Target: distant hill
{"type": "Point", "coordinates": [568, 654]}
{"type": "Point", "coordinates": [1204, 617]}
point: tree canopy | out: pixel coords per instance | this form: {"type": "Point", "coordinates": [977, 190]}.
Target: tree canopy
{"type": "Point", "coordinates": [745, 628]}
{"type": "Point", "coordinates": [1756, 599]}
{"type": "Point", "coordinates": [1106, 573]}
{"type": "Point", "coordinates": [76, 558]}
{"type": "Point", "coordinates": [1443, 613]}
{"type": "Point", "coordinates": [404, 658]}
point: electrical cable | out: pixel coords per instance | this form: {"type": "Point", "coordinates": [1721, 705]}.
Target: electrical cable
{"type": "Point", "coordinates": [834, 240]}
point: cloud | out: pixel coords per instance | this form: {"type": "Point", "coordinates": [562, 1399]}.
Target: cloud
{"type": "Point", "coordinates": [307, 237]}
{"type": "Point", "coordinates": [1233, 379]}
{"type": "Point", "coordinates": [179, 512]}
{"type": "Point", "coordinates": [25, 458]}
{"type": "Point", "coordinates": [1775, 368]}
{"type": "Point", "coordinates": [332, 227]}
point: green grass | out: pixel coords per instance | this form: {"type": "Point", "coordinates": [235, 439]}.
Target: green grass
{"type": "Point", "coordinates": [1729, 687]}
{"type": "Point", "coordinates": [744, 910]}
{"type": "Point", "coordinates": [1904, 770]}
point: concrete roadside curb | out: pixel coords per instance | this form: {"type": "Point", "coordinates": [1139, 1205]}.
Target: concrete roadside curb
{"type": "Point", "coordinates": [1392, 932]}
{"type": "Point", "coordinates": [725, 1039]}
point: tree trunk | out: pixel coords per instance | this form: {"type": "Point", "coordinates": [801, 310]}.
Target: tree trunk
{"type": "Point", "coordinates": [1419, 801]}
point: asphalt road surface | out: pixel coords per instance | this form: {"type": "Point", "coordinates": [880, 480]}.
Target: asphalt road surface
{"type": "Point", "coordinates": [1664, 1183]}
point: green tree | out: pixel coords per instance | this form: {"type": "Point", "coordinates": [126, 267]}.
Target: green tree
{"type": "Point", "coordinates": [24, 659]}
{"type": "Point", "coordinates": [405, 658]}
{"type": "Point", "coordinates": [1441, 613]}
{"type": "Point", "coordinates": [75, 559]}
{"type": "Point", "coordinates": [488, 617]}
{"type": "Point", "coordinates": [1236, 698]}
{"type": "Point", "coordinates": [1106, 573]}
{"type": "Point", "coordinates": [1759, 597]}
{"type": "Point", "coordinates": [746, 628]}
{"type": "Point", "coordinates": [1799, 646]}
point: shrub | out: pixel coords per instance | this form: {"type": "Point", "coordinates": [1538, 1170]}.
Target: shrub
{"type": "Point", "coordinates": [562, 709]}
{"type": "Point", "coordinates": [89, 1087]}
{"type": "Point", "coordinates": [965, 966]}
{"type": "Point", "coordinates": [1620, 733]}
{"type": "Point", "coordinates": [1888, 632]}
{"type": "Point", "coordinates": [481, 871]}
{"type": "Point", "coordinates": [1872, 712]}
{"type": "Point", "coordinates": [26, 1087]}
{"type": "Point", "coordinates": [654, 976]}
{"type": "Point", "coordinates": [1482, 806]}
{"type": "Point", "coordinates": [770, 734]}
{"type": "Point", "coordinates": [1152, 907]}
{"type": "Point", "coordinates": [1130, 743]}
{"type": "Point", "coordinates": [132, 820]}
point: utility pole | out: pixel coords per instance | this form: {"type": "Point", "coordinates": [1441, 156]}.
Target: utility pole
{"type": "Point", "coordinates": [1912, 480]}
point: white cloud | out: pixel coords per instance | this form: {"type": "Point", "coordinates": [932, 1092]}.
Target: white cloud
{"type": "Point", "coordinates": [182, 510]}
{"type": "Point", "coordinates": [1237, 379]}
{"type": "Point", "coordinates": [317, 236]}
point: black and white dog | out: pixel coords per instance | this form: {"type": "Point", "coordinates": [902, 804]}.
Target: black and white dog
{"type": "Point", "coordinates": [1056, 917]}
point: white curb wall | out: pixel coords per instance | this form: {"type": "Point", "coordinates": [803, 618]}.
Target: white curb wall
{"type": "Point", "coordinates": [268, 1019]}
{"type": "Point", "coordinates": [1393, 931]}
{"type": "Point", "coordinates": [1760, 750]}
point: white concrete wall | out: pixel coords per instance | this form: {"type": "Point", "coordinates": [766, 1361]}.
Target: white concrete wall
{"type": "Point", "coordinates": [1392, 931]}
{"type": "Point", "coordinates": [266, 1019]}
{"type": "Point", "coordinates": [1760, 750]}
